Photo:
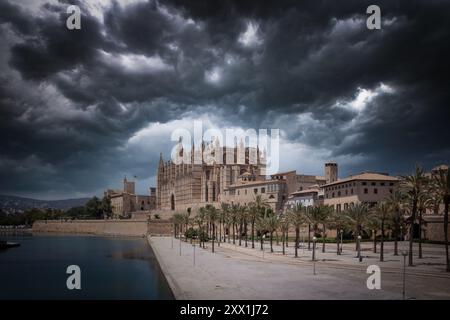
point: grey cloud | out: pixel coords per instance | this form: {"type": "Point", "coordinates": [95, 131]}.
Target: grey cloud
{"type": "Point", "coordinates": [313, 54]}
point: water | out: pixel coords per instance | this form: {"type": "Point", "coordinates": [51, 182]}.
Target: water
{"type": "Point", "coordinates": [111, 268]}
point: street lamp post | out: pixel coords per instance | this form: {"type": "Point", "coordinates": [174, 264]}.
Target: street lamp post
{"type": "Point", "coordinates": [342, 242]}
{"type": "Point", "coordinates": [314, 255]}
{"type": "Point", "coordinates": [359, 249]}
{"type": "Point", "coordinates": [180, 242]}
{"type": "Point", "coordinates": [194, 253]}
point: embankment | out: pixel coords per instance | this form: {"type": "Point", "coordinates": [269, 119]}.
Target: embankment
{"type": "Point", "coordinates": [133, 228]}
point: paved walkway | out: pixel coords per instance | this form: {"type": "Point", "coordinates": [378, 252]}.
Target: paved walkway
{"type": "Point", "coordinates": [234, 272]}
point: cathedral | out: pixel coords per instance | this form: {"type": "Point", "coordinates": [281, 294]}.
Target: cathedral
{"type": "Point", "coordinates": [204, 174]}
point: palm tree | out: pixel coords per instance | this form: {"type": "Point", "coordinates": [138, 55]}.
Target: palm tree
{"type": "Point", "coordinates": [272, 223]}
{"type": "Point", "coordinates": [241, 220]}
{"type": "Point", "coordinates": [256, 209]}
{"type": "Point", "coordinates": [234, 215]}
{"type": "Point", "coordinates": [373, 224]}
{"type": "Point", "coordinates": [200, 220]}
{"type": "Point", "coordinates": [185, 216]}
{"type": "Point", "coordinates": [339, 222]}
{"type": "Point", "coordinates": [297, 218]}
{"type": "Point", "coordinates": [382, 212]}
{"type": "Point", "coordinates": [284, 223]}
{"type": "Point", "coordinates": [177, 221]}
{"type": "Point", "coordinates": [441, 187]}
{"type": "Point", "coordinates": [425, 202]}
{"type": "Point", "coordinates": [224, 208]}
{"type": "Point", "coordinates": [395, 201]}
{"type": "Point", "coordinates": [260, 225]}
{"type": "Point", "coordinates": [319, 215]}
{"type": "Point", "coordinates": [415, 185]}
{"type": "Point", "coordinates": [357, 214]}
{"type": "Point", "coordinates": [212, 216]}
{"type": "Point", "coordinates": [244, 212]}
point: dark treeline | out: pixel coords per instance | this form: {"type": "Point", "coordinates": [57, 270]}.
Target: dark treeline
{"type": "Point", "coordinates": [95, 208]}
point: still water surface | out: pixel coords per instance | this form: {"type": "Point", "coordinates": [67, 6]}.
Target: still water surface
{"type": "Point", "coordinates": [111, 268]}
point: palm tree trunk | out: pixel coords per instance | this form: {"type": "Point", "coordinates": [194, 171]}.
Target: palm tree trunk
{"type": "Point", "coordinates": [271, 241]}
{"type": "Point", "coordinates": [411, 233]}
{"type": "Point", "coordinates": [240, 233]}
{"type": "Point", "coordinates": [276, 237]}
{"type": "Point", "coordinates": [374, 241]}
{"type": "Point", "coordinates": [358, 244]}
{"type": "Point", "coordinates": [420, 234]}
{"type": "Point", "coordinates": [323, 239]}
{"type": "Point", "coordinates": [309, 236]}
{"type": "Point", "coordinates": [396, 239]}
{"type": "Point", "coordinates": [234, 234]}
{"type": "Point", "coordinates": [283, 239]}
{"type": "Point", "coordinates": [253, 233]}
{"type": "Point", "coordinates": [297, 235]}
{"type": "Point", "coordinates": [220, 233]}
{"type": "Point", "coordinates": [338, 252]}
{"type": "Point", "coordinates": [213, 231]}
{"type": "Point", "coordinates": [287, 237]}
{"type": "Point", "coordinates": [382, 241]}
{"type": "Point", "coordinates": [262, 240]}
{"type": "Point", "coordinates": [446, 233]}
{"type": "Point", "coordinates": [245, 227]}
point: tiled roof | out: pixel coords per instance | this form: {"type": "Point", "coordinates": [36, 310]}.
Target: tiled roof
{"type": "Point", "coordinates": [364, 176]}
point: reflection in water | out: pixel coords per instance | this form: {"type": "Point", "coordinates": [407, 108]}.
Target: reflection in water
{"type": "Point", "coordinates": [111, 268]}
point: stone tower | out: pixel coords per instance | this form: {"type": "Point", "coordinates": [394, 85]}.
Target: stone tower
{"type": "Point", "coordinates": [331, 171]}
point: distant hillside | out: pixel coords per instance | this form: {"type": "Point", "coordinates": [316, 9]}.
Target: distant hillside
{"type": "Point", "coordinates": [13, 203]}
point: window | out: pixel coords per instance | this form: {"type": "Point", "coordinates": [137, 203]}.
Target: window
{"type": "Point", "coordinates": [391, 184]}
{"type": "Point", "coordinates": [365, 190]}
{"type": "Point", "coordinates": [351, 190]}
{"type": "Point", "coordinates": [346, 192]}
{"type": "Point", "coordinates": [374, 184]}
{"type": "Point", "coordinates": [332, 195]}
{"type": "Point", "coordinates": [255, 191]}
{"type": "Point", "coordinates": [375, 190]}
{"type": "Point", "coordinates": [390, 190]}
{"type": "Point", "coordinates": [339, 193]}
{"type": "Point", "coordinates": [245, 191]}
{"type": "Point", "coordinates": [263, 190]}
{"type": "Point", "coordinates": [364, 183]}
{"type": "Point", "coordinates": [382, 184]}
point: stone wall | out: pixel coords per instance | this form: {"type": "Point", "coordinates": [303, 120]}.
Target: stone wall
{"type": "Point", "coordinates": [134, 228]}
{"type": "Point", "coordinates": [160, 227]}
{"type": "Point", "coordinates": [435, 228]}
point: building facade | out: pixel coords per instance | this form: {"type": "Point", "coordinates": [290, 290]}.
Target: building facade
{"type": "Point", "coordinates": [307, 198]}
{"type": "Point", "coordinates": [275, 190]}
{"type": "Point", "coordinates": [366, 187]}
{"type": "Point", "coordinates": [201, 179]}
{"type": "Point", "coordinates": [125, 202]}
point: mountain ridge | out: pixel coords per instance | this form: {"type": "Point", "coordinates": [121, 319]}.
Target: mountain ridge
{"type": "Point", "coordinates": [12, 203]}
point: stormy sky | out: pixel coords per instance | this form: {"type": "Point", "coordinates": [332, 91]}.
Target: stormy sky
{"type": "Point", "coordinates": [79, 109]}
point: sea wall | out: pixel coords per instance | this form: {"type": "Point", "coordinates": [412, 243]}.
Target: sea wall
{"type": "Point", "coordinates": [135, 228]}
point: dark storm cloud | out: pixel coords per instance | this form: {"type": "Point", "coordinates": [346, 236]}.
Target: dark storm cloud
{"type": "Point", "coordinates": [71, 100]}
